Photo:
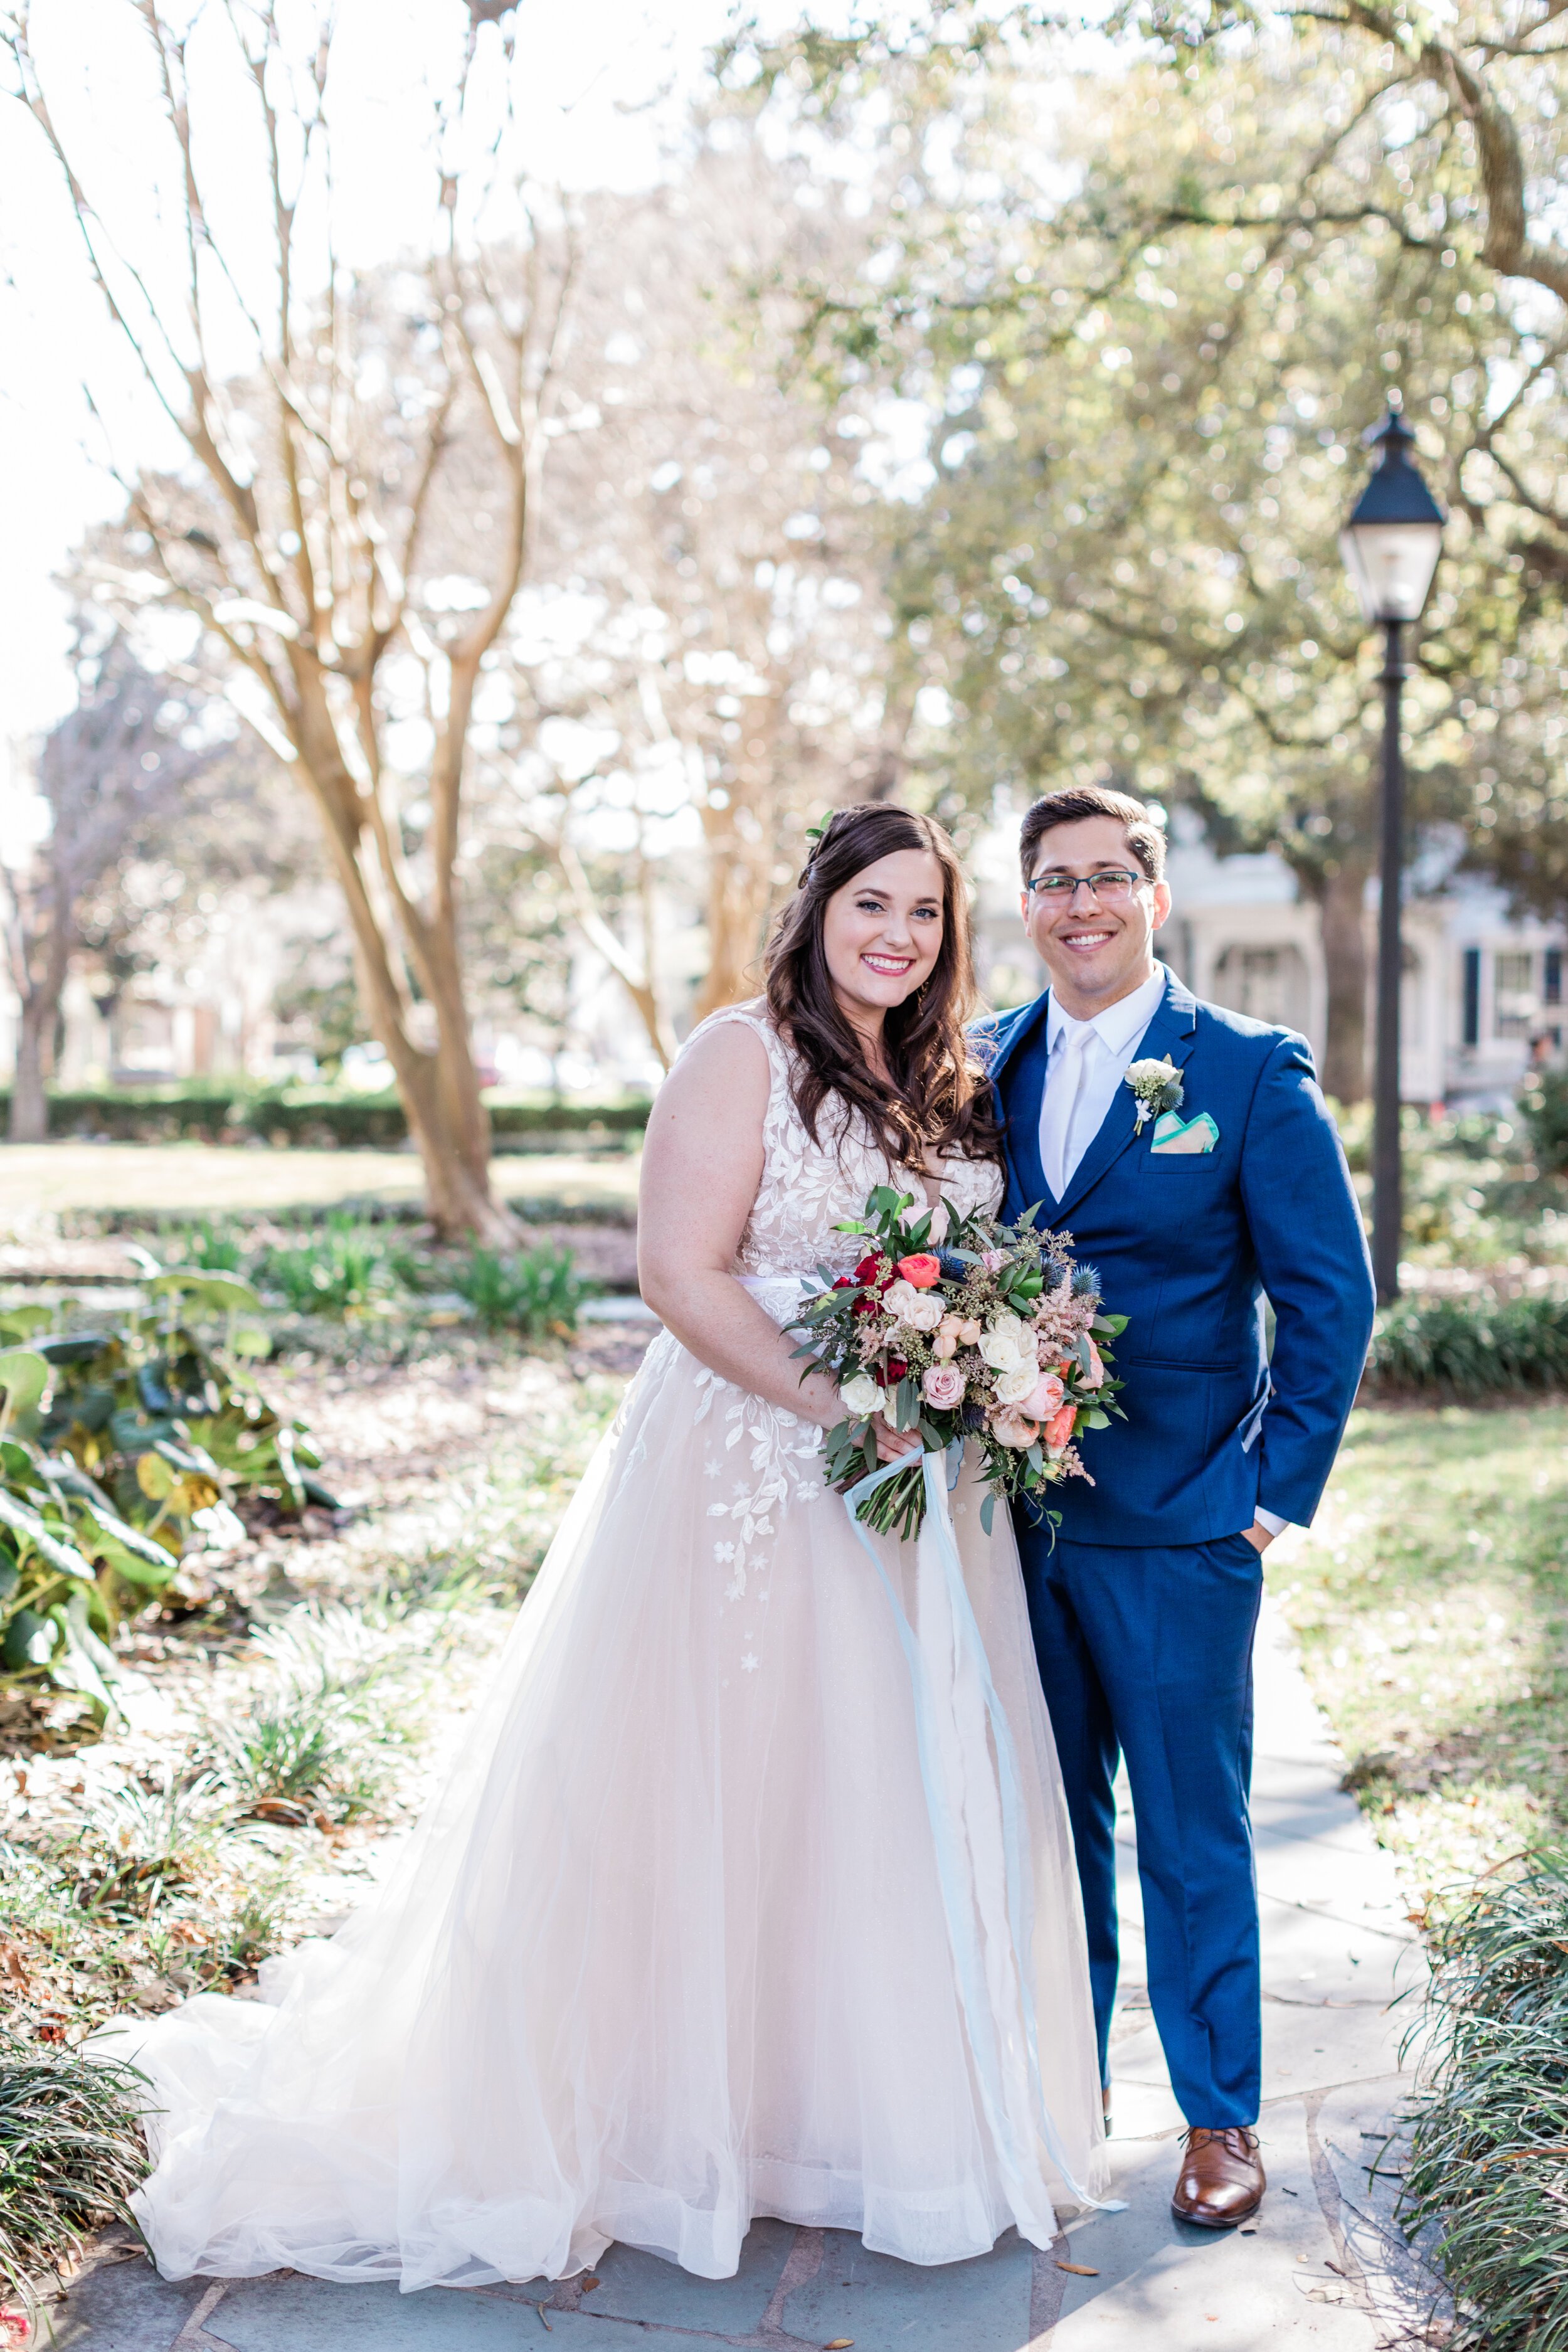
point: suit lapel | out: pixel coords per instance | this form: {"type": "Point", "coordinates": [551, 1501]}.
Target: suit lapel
{"type": "Point", "coordinates": [1169, 1036]}
{"type": "Point", "coordinates": [1020, 1121]}
{"type": "Point", "coordinates": [1022, 1027]}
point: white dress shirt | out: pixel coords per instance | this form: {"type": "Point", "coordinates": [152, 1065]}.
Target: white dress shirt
{"type": "Point", "coordinates": [1086, 1061]}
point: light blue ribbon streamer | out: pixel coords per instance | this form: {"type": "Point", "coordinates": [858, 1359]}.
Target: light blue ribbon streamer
{"type": "Point", "coordinates": [946, 1830]}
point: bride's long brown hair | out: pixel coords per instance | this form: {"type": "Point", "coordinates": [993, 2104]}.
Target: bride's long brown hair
{"type": "Point", "coordinates": [939, 1098]}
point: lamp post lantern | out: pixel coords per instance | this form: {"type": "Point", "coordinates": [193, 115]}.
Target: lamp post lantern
{"type": "Point", "coordinates": [1391, 545]}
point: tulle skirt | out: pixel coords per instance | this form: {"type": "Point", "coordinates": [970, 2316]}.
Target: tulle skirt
{"type": "Point", "coordinates": [675, 1945]}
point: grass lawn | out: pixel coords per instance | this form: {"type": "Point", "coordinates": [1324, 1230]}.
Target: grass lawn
{"type": "Point", "coordinates": [1431, 1604]}
{"type": "Point", "coordinates": [208, 1178]}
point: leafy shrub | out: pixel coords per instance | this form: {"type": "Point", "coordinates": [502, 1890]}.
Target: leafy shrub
{"type": "Point", "coordinates": [537, 1291]}
{"type": "Point", "coordinates": [122, 1450]}
{"type": "Point", "coordinates": [1471, 1347]}
{"type": "Point", "coordinates": [292, 1759]}
{"type": "Point", "coordinates": [1491, 2135]}
{"type": "Point", "coordinates": [304, 1746]}
{"type": "Point", "coordinates": [215, 1249]}
{"type": "Point", "coordinates": [136, 1846]}
{"type": "Point", "coordinates": [1543, 1106]}
{"type": "Point", "coordinates": [71, 2154]}
{"type": "Point", "coordinates": [344, 1268]}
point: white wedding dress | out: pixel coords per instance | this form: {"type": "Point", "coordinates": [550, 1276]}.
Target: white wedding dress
{"type": "Point", "coordinates": [746, 1897]}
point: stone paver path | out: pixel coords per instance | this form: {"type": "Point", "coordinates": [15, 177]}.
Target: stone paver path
{"type": "Point", "coordinates": [1323, 2267]}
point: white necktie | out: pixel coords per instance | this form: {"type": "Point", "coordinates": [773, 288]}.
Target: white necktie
{"type": "Point", "coordinates": [1066, 1085]}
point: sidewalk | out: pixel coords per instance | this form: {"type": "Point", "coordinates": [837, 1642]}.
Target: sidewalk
{"type": "Point", "coordinates": [1323, 2268]}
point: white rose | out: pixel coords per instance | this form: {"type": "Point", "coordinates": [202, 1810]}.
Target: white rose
{"type": "Point", "coordinates": [862, 1394]}
{"type": "Point", "coordinates": [922, 1310]}
{"type": "Point", "coordinates": [1013, 1387]}
{"type": "Point", "coordinates": [1007, 1344]}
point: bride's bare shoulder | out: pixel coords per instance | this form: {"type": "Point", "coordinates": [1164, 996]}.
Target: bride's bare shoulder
{"type": "Point", "coordinates": [737, 1037]}
{"type": "Point", "coordinates": [724, 1066]}
{"type": "Point", "coordinates": [703, 1151]}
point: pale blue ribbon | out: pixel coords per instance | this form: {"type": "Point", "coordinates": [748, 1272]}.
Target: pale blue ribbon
{"type": "Point", "coordinates": [942, 1805]}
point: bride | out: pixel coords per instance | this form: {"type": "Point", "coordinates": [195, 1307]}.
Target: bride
{"type": "Point", "coordinates": [724, 1911]}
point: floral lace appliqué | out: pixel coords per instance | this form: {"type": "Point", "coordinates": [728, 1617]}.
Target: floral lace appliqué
{"type": "Point", "coordinates": [783, 1453]}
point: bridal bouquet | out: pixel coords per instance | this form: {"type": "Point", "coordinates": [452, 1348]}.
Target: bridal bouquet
{"type": "Point", "coordinates": [997, 1336]}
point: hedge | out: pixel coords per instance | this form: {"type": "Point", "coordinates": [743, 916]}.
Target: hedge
{"type": "Point", "coordinates": [1471, 1347]}
{"type": "Point", "coordinates": [306, 1116]}
{"type": "Point", "coordinates": [1486, 2161]}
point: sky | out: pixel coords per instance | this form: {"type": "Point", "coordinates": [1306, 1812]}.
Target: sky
{"type": "Point", "coordinates": [607, 84]}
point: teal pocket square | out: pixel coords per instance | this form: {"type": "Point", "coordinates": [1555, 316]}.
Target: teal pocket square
{"type": "Point", "coordinates": [1174, 1134]}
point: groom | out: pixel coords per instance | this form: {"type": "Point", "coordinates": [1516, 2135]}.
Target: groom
{"type": "Point", "coordinates": [1143, 1608]}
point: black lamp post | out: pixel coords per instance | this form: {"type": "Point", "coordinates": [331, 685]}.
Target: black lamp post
{"type": "Point", "coordinates": [1391, 545]}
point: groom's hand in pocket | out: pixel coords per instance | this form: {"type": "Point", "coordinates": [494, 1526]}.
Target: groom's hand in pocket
{"type": "Point", "coordinates": [1259, 1536]}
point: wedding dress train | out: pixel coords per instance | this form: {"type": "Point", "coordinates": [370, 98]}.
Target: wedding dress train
{"type": "Point", "coordinates": [744, 1897]}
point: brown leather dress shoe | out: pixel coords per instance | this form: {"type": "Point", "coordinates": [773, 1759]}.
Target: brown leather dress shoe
{"type": "Point", "coordinates": [1221, 2181]}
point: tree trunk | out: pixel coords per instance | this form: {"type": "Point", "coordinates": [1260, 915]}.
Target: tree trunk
{"type": "Point", "coordinates": [740, 877]}
{"type": "Point", "coordinates": [29, 1120]}
{"type": "Point", "coordinates": [439, 1091]}
{"type": "Point", "coordinates": [1342, 912]}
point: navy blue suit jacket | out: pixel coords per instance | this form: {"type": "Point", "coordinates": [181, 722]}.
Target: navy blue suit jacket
{"type": "Point", "coordinates": [1187, 1245]}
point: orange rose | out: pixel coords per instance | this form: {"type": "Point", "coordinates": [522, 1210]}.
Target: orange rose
{"type": "Point", "coordinates": [922, 1272]}
{"type": "Point", "coordinates": [1058, 1429]}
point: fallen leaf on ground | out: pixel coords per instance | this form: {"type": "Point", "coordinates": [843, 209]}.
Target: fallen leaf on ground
{"type": "Point", "coordinates": [589, 2284]}
{"type": "Point", "coordinates": [839, 2344]}
{"type": "Point", "coordinates": [1078, 2270]}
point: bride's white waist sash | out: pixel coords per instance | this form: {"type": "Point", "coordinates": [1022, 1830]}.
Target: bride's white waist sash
{"type": "Point", "coordinates": [975, 1798]}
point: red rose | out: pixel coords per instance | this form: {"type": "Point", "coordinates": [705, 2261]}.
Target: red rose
{"type": "Point", "coordinates": [870, 1270]}
{"type": "Point", "coordinates": [844, 1282]}
{"type": "Point", "coordinates": [922, 1272]}
{"type": "Point", "coordinates": [894, 1372]}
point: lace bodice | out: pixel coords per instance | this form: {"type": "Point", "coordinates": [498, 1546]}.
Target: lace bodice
{"type": "Point", "coordinates": [808, 1187]}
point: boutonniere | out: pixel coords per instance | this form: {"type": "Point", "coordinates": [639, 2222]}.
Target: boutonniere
{"type": "Point", "coordinates": [1156, 1087]}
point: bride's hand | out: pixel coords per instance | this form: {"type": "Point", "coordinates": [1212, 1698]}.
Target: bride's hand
{"type": "Point", "coordinates": [892, 1444]}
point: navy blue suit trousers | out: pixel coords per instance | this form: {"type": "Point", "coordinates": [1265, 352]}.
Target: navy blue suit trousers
{"type": "Point", "coordinates": [1147, 1652]}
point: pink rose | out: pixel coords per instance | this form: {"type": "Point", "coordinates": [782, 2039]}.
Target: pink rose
{"type": "Point", "coordinates": [1096, 1374]}
{"type": "Point", "coordinates": [1013, 1427]}
{"type": "Point", "coordinates": [921, 1271]}
{"type": "Point", "coordinates": [944, 1387]}
{"type": "Point", "coordinates": [1058, 1429]}
{"type": "Point", "coordinates": [1044, 1398]}
{"type": "Point", "coordinates": [992, 1259]}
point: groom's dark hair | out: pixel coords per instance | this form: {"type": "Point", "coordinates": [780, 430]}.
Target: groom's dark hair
{"type": "Point", "coordinates": [1145, 838]}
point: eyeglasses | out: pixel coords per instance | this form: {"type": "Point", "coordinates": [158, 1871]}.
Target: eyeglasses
{"type": "Point", "coordinates": [1112, 886]}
